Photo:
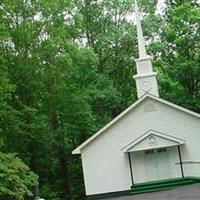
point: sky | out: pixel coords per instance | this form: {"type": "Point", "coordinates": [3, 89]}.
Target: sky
{"type": "Point", "coordinates": [160, 7]}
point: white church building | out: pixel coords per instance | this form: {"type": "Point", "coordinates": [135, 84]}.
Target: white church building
{"type": "Point", "coordinates": [152, 142]}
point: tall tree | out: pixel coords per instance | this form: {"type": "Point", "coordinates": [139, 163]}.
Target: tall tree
{"type": "Point", "coordinates": [179, 63]}
{"type": "Point", "coordinates": [108, 29]}
{"type": "Point", "coordinates": [47, 69]}
{"type": "Point", "coordinates": [66, 70]}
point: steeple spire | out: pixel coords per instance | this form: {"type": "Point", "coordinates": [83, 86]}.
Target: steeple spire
{"type": "Point", "coordinates": [140, 37]}
{"type": "Point", "coordinates": [145, 79]}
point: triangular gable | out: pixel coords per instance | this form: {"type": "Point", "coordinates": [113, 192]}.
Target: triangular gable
{"type": "Point", "coordinates": [78, 149]}
{"type": "Point", "coordinates": [151, 140]}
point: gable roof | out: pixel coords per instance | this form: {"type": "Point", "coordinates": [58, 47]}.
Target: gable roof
{"type": "Point", "coordinates": [144, 141]}
{"type": "Point", "coordinates": [194, 114]}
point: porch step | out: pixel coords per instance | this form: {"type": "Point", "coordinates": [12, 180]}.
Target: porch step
{"type": "Point", "coordinates": [163, 185]}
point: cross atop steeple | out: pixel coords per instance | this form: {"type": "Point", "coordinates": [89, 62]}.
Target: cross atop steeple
{"type": "Point", "coordinates": [145, 79]}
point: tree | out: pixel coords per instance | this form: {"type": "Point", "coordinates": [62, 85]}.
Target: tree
{"type": "Point", "coordinates": [66, 70]}
{"type": "Point", "coordinates": [52, 94]}
{"type": "Point", "coordinates": [107, 30]}
{"type": "Point", "coordinates": [17, 182]}
{"type": "Point", "coordinates": [180, 55]}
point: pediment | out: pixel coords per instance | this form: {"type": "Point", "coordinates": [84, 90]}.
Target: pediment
{"type": "Point", "coordinates": [131, 108]}
{"type": "Point", "coordinates": [151, 140]}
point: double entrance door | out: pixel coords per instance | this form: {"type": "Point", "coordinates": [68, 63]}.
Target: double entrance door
{"type": "Point", "coordinates": [157, 164]}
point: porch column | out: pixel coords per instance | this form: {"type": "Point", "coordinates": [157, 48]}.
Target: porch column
{"type": "Point", "coordinates": [131, 169]}
{"type": "Point", "coordinates": [181, 162]}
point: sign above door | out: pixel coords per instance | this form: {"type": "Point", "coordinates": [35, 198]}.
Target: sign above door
{"type": "Point", "coordinates": [152, 139]}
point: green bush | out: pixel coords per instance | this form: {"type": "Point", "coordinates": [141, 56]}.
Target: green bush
{"type": "Point", "coordinates": [17, 181]}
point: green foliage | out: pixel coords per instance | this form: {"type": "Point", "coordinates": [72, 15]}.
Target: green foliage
{"type": "Point", "coordinates": [16, 179]}
{"type": "Point", "coordinates": [66, 70]}
{"type": "Point", "coordinates": [180, 55]}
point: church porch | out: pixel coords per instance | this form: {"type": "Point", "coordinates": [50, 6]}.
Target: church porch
{"type": "Point", "coordinates": [166, 184]}
{"type": "Point", "coordinates": [155, 162]}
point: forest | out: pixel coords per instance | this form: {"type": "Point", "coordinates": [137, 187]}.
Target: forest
{"type": "Point", "coordinates": [66, 70]}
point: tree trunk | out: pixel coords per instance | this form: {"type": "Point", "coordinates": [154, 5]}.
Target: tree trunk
{"type": "Point", "coordinates": [62, 157]}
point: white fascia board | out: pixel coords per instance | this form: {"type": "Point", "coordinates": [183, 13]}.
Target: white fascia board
{"type": "Point", "coordinates": [77, 150]}
{"type": "Point", "coordinates": [156, 147]}
{"type": "Point", "coordinates": [142, 137]}
{"type": "Point", "coordinates": [176, 106]}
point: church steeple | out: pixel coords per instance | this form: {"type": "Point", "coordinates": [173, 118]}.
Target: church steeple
{"type": "Point", "coordinates": [141, 43]}
{"type": "Point", "coordinates": [145, 79]}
